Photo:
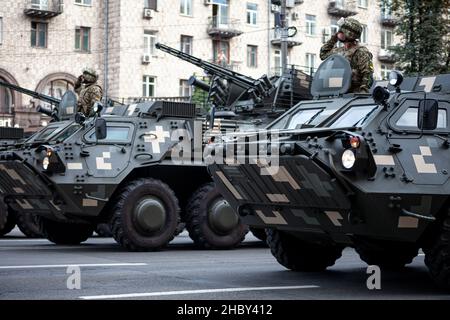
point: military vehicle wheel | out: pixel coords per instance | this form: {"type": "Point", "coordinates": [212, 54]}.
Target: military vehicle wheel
{"type": "Point", "coordinates": [66, 233]}
{"type": "Point", "coordinates": [145, 216]}
{"type": "Point", "coordinates": [180, 228]}
{"type": "Point", "coordinates": [299, 255]}
{"type": "Point", "coordinates": [259, 233]}
{"type": "Point", "coordinates": [211, 222]}
{"type": "Point", "coordinates": [10, 223]}
{"type": "Point", "coordinates": [30, 225]}
{"type": "Point", "coordinates": [386, 254]}
{"type": "Point", "coordinates": [3, 214]}
{"type": "Point", "coordinates": [437, 255]}
{"type": "Point", "coordinates": [103, 230]}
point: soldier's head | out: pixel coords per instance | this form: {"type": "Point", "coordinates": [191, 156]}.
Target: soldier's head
{"type": "Point", "coordinates": [90, 75]}
{"type": "Point", "coordinates": [351, 30]}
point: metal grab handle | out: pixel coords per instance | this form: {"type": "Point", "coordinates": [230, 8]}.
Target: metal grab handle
{"type": "Point", "coordinates": [143, 155]}
{"type": "Point", "coordinates": [419, 216]}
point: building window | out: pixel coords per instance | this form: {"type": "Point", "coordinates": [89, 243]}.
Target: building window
{"type": "Point", "coordinates": [363, 3]}
{"type": "Point", "coordinates": [386, 39]}
{"type": "Point", "coordinates": [84, 2]}
{"type": "Point", "coordinates": [310, 67]}
{"type": "Point", "coordinates": [252, 13]}
{"type": "Point", "coordinates": [149, 42]}
{"type": "Point", "coordinates": [252, 56]}
{"type": "Point", "coordinates": [221, 52]}
{"type": "Point", "coordinates": [151, 4]}
{"type": "Point", "coordinates": [364, 35]}
{"type": "Point", "coordinates": [185, 89]}
{"type": "Point", "coordinates": [148, 86]}
{"type": "Point", "coordinates": [5, 99]}
{"type": "Point", "coordinates": [186, 44]}
{"type": "Point", "coordinates": [38, 34]}
{"type": "Point", "coordinates": [186, 7]}
{"type": "Point", "coordinates": [310, 25]}
{"type": "Point", "coordinates": [386, 9]}
{"type": "Point", "coordinates": [83, 39]}
{"type": "Point", "coordinates": [277, 62]}
{"type": "Point", "coordinates": [1, 30]}
{"type": "Point", "coordinates": [385, 71]}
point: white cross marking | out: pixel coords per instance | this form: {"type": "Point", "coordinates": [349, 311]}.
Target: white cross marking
{"type": "Point", "coordinates": [156, 137]}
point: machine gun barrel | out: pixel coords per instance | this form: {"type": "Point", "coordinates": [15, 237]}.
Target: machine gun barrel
{"type": "Point", "coordinates": [193, 81]}
{"type": "Point", "coordinates": [33, 94]}
{"type": "Point", "coordinates": [215, 70]}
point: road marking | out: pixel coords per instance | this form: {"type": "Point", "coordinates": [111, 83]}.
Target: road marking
{"type": "Point", "coordinates": [185, 292]}
{"type": "Point", "coordinates": [43, 266]}
{"type": "Point", "coordinates": [24, 240]}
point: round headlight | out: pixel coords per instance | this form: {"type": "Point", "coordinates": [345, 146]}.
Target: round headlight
{"type": "Point", "coordinates": [348, 159]}
{"type": "Point", "coordinates": [45, 163]}
{"type": "Point", "coordinates": [395, 78]}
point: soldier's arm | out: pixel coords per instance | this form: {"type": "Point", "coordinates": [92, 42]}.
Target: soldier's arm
{"type": "Point", "coordinates": [327, 48]}
{"type": "Point", "coordinates": [363, 61]}
{"type": "Point", "coordinates": [78, 85]}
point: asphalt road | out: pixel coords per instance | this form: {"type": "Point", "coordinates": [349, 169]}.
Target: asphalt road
{"type": "Point", "coordinates": [37, 269]}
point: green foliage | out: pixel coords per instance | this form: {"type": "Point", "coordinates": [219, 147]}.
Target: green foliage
{"type": "Point", "coordinates": [423, 26]}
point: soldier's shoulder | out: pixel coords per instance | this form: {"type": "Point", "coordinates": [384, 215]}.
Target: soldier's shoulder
{"type": "Point", "coordinates": [94, 88]}
{"type": "Point", "coordinates": [363, 52]}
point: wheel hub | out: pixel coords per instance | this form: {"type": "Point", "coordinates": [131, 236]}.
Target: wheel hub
{"type": "Point", "coordinates": [222, 217]}
{"type": "Point", "coordinates": [150, 214]}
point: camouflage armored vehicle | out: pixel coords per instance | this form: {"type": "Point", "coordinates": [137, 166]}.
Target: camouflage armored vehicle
{"type": "Point", "coordinates": [366, 171]}
{"type": "Point", "coordinates": [132, 166]}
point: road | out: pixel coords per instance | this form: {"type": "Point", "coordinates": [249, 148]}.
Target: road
{"type": "Point", "coordinates": [37, 269]}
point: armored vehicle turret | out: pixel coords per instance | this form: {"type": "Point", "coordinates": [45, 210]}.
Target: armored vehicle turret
{"type": "Point", "coordinates": [365, 171]}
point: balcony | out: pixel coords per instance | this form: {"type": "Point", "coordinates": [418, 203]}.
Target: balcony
{"type": "Point", "coordinates": [388, 20]}
{"type": "Point", "coordinates": [275, 39]}
{"type": "Point", "coordinates": [231, 65]}
{"type": "Point", "coordinates": [223, 28]}
{"type": "Point", "coordinates": [341, 8]}
{"type": "Point", "coordinates": [44, 9]}
{"type": "Point", "coordinates": [386, 56]}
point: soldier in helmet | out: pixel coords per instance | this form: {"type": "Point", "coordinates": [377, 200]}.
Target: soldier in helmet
{"type": "Point", "coordinates": [359, 56]}
{"type": "Point", "coordinates": [89, 92]}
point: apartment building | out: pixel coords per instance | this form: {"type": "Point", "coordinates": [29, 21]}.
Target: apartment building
{"type": "Point", "coordinates": [44, 44]}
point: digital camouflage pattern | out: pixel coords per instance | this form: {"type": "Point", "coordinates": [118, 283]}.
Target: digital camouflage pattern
{"type": "Point", "coordinates": [360, 57]}
{"type": "Point", "coordinates": [88, 92]}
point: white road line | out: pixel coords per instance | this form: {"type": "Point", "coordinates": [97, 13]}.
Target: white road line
{"type": "Point", "coordinates": [23, 240]}
{"type": "Point", "coordinates": [185, 292]}
{"type": "Point", "coordinates": [43, 266]}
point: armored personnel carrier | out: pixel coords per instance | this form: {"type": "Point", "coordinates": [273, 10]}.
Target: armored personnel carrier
{"type": "Point", "coordinates": [132, 166]}
{"type": "Point", "coordinates": [365, 171]}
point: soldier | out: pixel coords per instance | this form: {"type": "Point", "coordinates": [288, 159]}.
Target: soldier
{"type": "Point", "coordinates": [359, 56]}
{"type": "Point", "coordinates": [89, 92]}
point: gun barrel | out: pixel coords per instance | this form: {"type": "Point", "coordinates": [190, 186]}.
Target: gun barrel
{"type": "Point", "coordinates": [33, 94]}
{"type": "Point", "coordinates": [47, 112]}
{"type": "Point", "coordinates": [193, 81]}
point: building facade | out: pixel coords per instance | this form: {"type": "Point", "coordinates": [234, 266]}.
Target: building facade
{"type": "Point", "coordinates": [45, 44]}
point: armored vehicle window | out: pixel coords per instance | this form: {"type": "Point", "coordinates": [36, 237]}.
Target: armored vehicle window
{"type": "Point", "coordinates": [115, 134]}
{"type": "Point", "coordinates": [409, 118]}
{"type": "Point", "coordinates": [355, 116]}
{"type": "Point", "coordinates": [297, 119]}
{"type": "Point", "coordinates": [69, 132]}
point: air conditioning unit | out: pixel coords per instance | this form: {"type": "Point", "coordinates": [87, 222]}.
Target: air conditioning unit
{"type": "Point", "coordinates": [295, 16]}
{"type": "Point", "coordinates": [146, 58]}
{"type": "Point", "coordinates": [275, 8]}
{"type": "Point", "coordinates": [208, 2]}
{"type": "Point", "coordinates": [290, 3]}
{"type": "Point", "coordinates": [148, 13]}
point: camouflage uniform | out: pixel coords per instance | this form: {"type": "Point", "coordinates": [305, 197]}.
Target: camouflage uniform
{"type": "Point", "coordinates": [88, 92]}
{"type": "Point", "coordinates": [359, 57]}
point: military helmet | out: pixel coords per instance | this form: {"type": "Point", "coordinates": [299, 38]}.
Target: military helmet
{"type": "Point", "coordinates": [351, 28]}
{"type": "Point", "coordinates": [90, 75]}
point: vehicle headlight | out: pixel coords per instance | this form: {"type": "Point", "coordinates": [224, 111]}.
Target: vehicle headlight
{"type": "Point", "coordinates": [45, 163]}
{"type": "Point", "coordinates": [348, 159]}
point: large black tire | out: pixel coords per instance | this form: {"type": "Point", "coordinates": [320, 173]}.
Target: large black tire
{"type": "Point", "coordinates": [386, 254]}
{"type": "Point", "coordinates": [30, 224]}
{"type": "Point", "coordinates": [180, 228]}
{"type": "Point", "coordinates": [437, 255]}
{"type": "Point", "coordinates": [11, 220]}
{"type": "Point", "coordinates": [259, 233]}
{"type": "Point", "coordinates": [63, 233]}
{"type": "Point", "coordinates": [103, 230]}
{"type": "Point", "coordinates": [145, 215]}
{"type": "Point", "coordinates": [298, 255]}
{"type": "Point", "coordinates": [3, 214]}
{"type": "Point", "coordinates": [200, 225]}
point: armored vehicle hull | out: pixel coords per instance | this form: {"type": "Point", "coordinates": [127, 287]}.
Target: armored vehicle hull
{"type": "Point", "coordinates": [360, 171]}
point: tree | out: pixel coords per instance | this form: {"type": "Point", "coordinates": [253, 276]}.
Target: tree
{"type": "Point", "coordinates": [423, 26]}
